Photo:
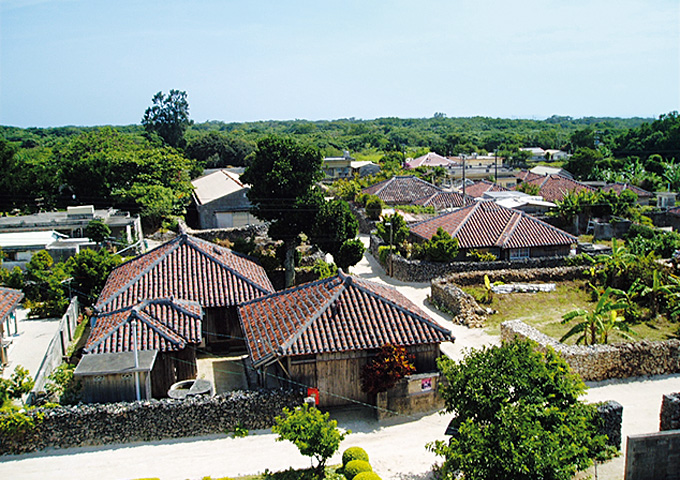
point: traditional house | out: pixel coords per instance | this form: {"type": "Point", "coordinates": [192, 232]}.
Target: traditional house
{"type": "Point", "coordinates": [221, 201]}
{"type": "Point", "coordinates": [9, 301]}
{"type": "Point", "coordinates": [430, 160]}
{"type": "Point", "coordinates": [402, 190]}
{"type": "Point", "coordinates": [644, 197]}
{"type": "Point", "coordinates": [508, 234]}
{"type": "Point", "coordinates": [479, 188]}
{"type": "Point", "coordinates": [444, 201]}
{"type": "Point", "coordinates": [321, 334]}
{"type": "Point", "coordinates": [553, 188]}
{"type": "Point", "coordinates": [188, 268]}
{"type": "Point", "coordinates": [170, 326]}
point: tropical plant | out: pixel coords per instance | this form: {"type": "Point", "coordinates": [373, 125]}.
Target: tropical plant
{"type": "Point", "coordinates": [389, 366]}
{"type": "Point", "coordinates": [517, 416]}
{"type": "Point", "coordinates": [613, 322]}
{"type": "Point", "coordinates": [657, 292]}
{"type": "Point", "coordinates": [592, 324]}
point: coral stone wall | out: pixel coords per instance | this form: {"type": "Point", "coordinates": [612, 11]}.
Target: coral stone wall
{"type": "Point", "coordinates": [421, 271]}
{"type": "Point", "coordinates": [670, 412]}
{"type": "Point", "coordinates": [100, 424]}
{"type": "Point", "coordinates": [599, 362]}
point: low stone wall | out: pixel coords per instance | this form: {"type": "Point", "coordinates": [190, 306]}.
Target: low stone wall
{"type": "Point", "coordinates": [600, 362]}
{"type": "Point", "coordinates": [230, 234]}
{"type": "Point", "coordinates": [670, 412]}
{"type": "Point", "coordinates": [611, 415]}
{"type": "Point", "coordinates": [100, 424]}
{"type": "Point", "coordinates": [516, 275]}
{"type": "Point", "coordinates": [411, 395]}
{"type": "Point", "coordinates": [422, 271]}
{"type": "Point", "coordinates": [462, 306]}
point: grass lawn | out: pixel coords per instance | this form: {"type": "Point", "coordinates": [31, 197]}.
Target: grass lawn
{"type": "Point", "coordinates": [544, 312]}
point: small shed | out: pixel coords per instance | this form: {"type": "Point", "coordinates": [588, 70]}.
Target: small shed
{"type": "Point", "coordinates": [110, 377]}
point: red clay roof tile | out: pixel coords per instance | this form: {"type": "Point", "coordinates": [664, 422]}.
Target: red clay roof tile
{"type": "Point", "coordinates": [341, 313]}
{"type": "Point", "coordinates": [486, 224]}
{"type": "Point", "coordinates": [188, 268]}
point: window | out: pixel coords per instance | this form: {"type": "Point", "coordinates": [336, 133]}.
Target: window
{"type": "Point", "coordinates": [519, 253]}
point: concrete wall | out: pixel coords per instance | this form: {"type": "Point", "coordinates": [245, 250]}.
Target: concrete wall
{"type": "Point", "coordinates": [599, 362]}
{"type": "Point", "coordinates": [147, 420]}
{"type": "Point", "coordinates": [653, 456]}
{"type": "Point", "coordinates": [670, 412]}
{"type": "Point", "coordinates": [413, 394]}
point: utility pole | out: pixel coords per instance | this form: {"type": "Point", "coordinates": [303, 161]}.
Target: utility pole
{"type": "Point", "coordinates": [463, 158]}
{"type": "Point", "coordinates": [133, 324]}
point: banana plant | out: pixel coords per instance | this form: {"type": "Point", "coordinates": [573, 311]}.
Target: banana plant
{"type": "Point", "coordinates": [592, 324]}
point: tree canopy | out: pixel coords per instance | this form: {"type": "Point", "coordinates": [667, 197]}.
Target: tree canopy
{"type": "Point", "coordinates": [283, 191]}
{"type": "Point", "coordinates": [168, 116]}
{"type": "Point", "coordinates": [517, 416]}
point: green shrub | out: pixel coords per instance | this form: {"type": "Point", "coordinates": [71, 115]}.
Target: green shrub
{"type": "Point", "coordinates": [367, 476]}
{"type": "Point", "coordinates": [354, 453]}
{"type": "Point", "coordinates": [478, 256]}
{"type": "Point", "coordinates": [374, 207]}
{"type": "Point", "coordinates": [355, 467]}
{"type": "Point", "coordinates": [384, 254]}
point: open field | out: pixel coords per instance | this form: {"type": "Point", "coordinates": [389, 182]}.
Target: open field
{"type": "Point", "coordinates": [544, 312]}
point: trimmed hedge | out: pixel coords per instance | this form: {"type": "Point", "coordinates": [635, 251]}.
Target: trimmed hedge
{"type": "Point", "coordinates": [367, 476]}
{"type": "Point", "coordinates": [354, 453]}
{"type": "Point", "coordinates": [355, 467]}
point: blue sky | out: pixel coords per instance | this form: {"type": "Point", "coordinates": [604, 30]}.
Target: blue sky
{"type": "Point", "coordinates": [94, 62]}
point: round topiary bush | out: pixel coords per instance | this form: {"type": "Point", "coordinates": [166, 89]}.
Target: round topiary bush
{"type": "Point", "coordinates": [355, 467]}
{"type": "Point", "coordinates": [354, 453]}
{"type": "Point", "coordinates": [367, 476]}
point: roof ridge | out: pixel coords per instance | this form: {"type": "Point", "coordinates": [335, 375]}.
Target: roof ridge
{"type": "Point", "coordinates": [510, 228]}
{"type": "Point", "coordinates": [472, 210]}
{"type": "Point", "coordinates": [178, 240]}
{"type": "Point", "coordinates": [224, 265]}
{"type": "Point", "coordinates": [159, 327]}
{"type": "Point", "coordinates": [361, 286]}
{"type": "Point", "coordinates": [305, 325]}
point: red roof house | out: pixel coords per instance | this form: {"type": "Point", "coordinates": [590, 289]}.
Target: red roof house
{"type": "Point", "coordinates": [480, 187]}
{"type": "Point", "coordinates": [553, 188]}
{"type": "Point", "coordinates": [169, 286]}
{"type": "Point", "coordinates": [170, 326]}
{"type": "Point", "coordinates": [322, 333]}
{"type": "Point", "coordinates": [430, 160]}
{"type": "Point", "coordinates": [507, 233]}
{"type": "Point", "coordinates": [402, 190]}
{"type": "Point", "coordinates": [9, 301]}
{"type": "Point", "coordinates": [444, 200]}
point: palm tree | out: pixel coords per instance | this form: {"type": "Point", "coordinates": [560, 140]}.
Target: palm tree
{"type": "Point", "coordinates": [593, 321]}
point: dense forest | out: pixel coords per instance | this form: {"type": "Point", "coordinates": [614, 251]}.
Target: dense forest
{"type": "Point", "coordinates": [135, 167]}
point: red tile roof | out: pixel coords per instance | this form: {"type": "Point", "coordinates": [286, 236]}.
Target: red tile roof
{"type": "Point", "coordinates": [619, 187]}
{"type": "Point", "coordinates": [162, 324]}
{"type": "Point", "coordinates": [526, 175]}
{"type": "Point", "coordinates": [337, 314]}
{"type": "Point", "coordinates": [553, 188]}
{"type": "Point", "coordinates": [480, 187]}
{"type": "Point", "coordinates": [188, 268]}
{"type": "Point", "coordinates": [442, 200]}
{"type": "Point", "coordinates": [402, 190]}
{"type": "Point", "coordinates": [486, 224]}
{"type": "Point", "coordinates": [430, 159]}
{"type": "Point", "coordinates": [9, 300]}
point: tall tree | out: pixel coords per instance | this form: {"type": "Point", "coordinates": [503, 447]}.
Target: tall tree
{"type": "Point", "coordinates": [335, 223]}
{"type": "Point", "coordinates": [168, 116]}
{"type": "Point", "coordinates": [517, 416]}
{"type": "Point", "coordinates": [283, 176]}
